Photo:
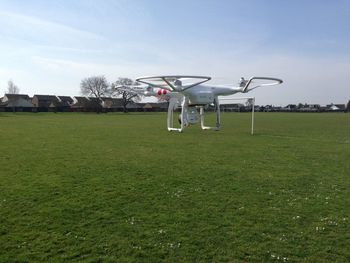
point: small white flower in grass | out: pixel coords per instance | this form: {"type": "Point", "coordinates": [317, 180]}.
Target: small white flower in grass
{"type": "Point", "coordinates": [136, 247]}
{"type": "Point", "coordinates": [319, 228]}
{"type": "Point", "coordinates": [284, 259]}
{"type": "Point", "coordinates": [332, 223]}
{"type": "Point", "coordinates": [131, 220]}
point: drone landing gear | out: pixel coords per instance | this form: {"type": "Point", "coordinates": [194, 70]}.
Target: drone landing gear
{"type": "Point", "coordinates": [217, 108]}
{"type": "Point", "coordinates": [189, 115]}
{"type": "Point", "coordinates": [173, 103]}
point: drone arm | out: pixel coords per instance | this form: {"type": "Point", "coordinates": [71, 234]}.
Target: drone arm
{"type": "Point", "coordinates": [136, 92]}
{"type": "Point", "coordinates": [197, 83]}
{"type": "Point", "coordinates": [167, 82]}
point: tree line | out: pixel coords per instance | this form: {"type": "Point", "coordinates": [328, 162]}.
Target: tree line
{"type": "Point", "coordinates": [99, 87]}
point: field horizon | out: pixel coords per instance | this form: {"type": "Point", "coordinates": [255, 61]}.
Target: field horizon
{"type": "Point", "coordinates": [120, 188]}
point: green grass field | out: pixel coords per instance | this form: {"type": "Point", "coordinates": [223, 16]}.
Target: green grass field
{"type": "Point", "coordinates": [120, 188]}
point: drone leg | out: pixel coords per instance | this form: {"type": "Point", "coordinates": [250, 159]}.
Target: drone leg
{"type": "Point", "coordinates": [183, 112]}
{"type": "Point", "coordinates": [201, 113]}
{"type": "Point", "coordinates": [217, 103]}
{"type": "Point", "coordinates": [170, 121]}
{"type": "Point", "coordinates": [217, 117]}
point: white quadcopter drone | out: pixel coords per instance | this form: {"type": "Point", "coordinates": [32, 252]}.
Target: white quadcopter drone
{"type": "Point", "coordinates": [192, 96]}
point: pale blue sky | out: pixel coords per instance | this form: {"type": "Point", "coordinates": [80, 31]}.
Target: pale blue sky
{"type": "Point", "coordinates": [47, 47]}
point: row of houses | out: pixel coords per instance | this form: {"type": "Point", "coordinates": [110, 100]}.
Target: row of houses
{"type": "Point", "coordinates": [309, 108]}
{"type": "Point", "coordinates": [237, 107]}
{"type": "Point", "coordinates": [22, 102]}
{"type": "Point", "coordinates": [42, 103]}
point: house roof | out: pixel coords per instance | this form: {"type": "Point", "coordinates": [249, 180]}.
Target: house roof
{"type": "Point", "coordinates": [80, 101]}
{"type": "Point", "coordinates": [336, 106]}
{"type": "Point", "coordinates": [63, 101]}
{"type": "Point", "coordinates": [46, 97]}
{"type": "Point", "coordinates": [94, 100]}
{"type": "Point", "coordinates": [17, 96]}
{"type": "Point", "coordinates": [340, 106]}
{"type": "Point", "coordinates": [85, 102]}
{"type": "Point", "coordinates": [66, 99]}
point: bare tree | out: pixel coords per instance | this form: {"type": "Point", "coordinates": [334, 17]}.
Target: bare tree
{"type": "Point", "coordinates": [96, 86]}
{"type": "Point", "coordinates": [123, 88]}
{"type": "Point", "coordinates": [12, 88]}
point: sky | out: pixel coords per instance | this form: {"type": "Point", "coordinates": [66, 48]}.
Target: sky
{"type": "Point", "coordinates": [48, 47]}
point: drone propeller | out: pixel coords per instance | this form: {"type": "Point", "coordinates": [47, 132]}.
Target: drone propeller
{"type": "Point", "coordinates": [135, 89]}
{"type": "Point", "coordinates": [173, 82]}
{"type": "Point", "coordinates": [245, 84]}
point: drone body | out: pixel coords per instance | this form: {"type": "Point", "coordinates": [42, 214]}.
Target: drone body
{"type": "Point", "coordinates": [192, 96]}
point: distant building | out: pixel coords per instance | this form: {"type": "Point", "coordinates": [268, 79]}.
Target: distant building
{"type": "Point", "coordinates": [63, 103]}
{"type": "Point", "coordinates": [336, 107]}
{"type": "Point", "coordinates": [154, 106]}
{"type": "Point", "coordinates": [309, 108]}
{"type": "Point", "coordinates": [290, 107]}
{"type": "Point", "coordinates": [66, 101]}
{"type": "Point", "coordinates": [232, 107]}
{"type": "Point", "coordinates": [22, 102]}
{"type": "Point", "coordinates": [268, 108]}
{"type": "Point", "coordinates": [85, 104]}
{"type": "Point", "coordinates": [43, 102]}
{"type": "Point", "coordinates": [16, 102]}
{"type": "Point", "coordinates": [133, 106]}
{"type": "Point", "coordinates": [95, 104]}
{"type": "Point", "coordinates": [80, 103]}
{"type": "Point", "coordinates": [112, 104]}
